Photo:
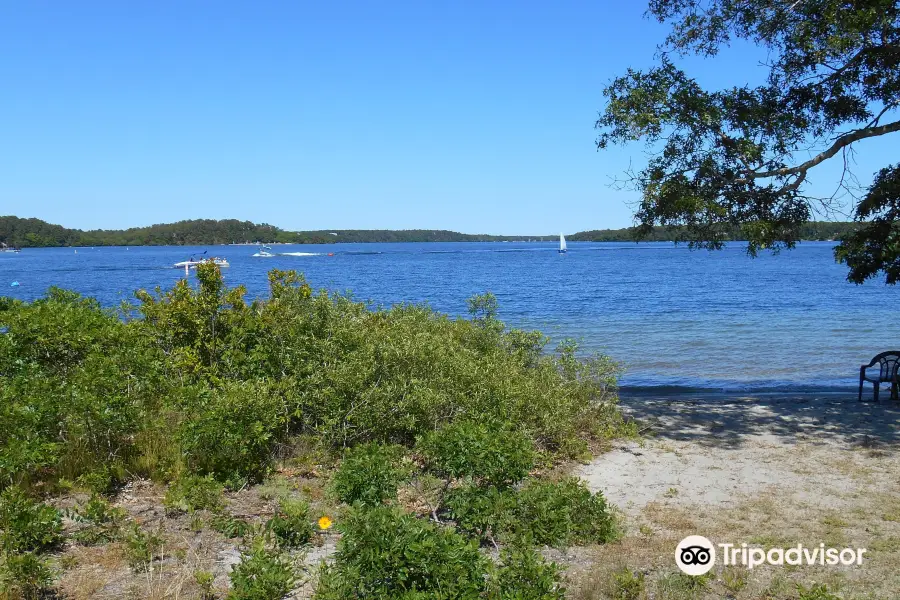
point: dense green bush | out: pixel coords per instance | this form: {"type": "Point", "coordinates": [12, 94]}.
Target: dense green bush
{"type": "Point", "coordinates": [190, 492]}
{"type": "Point", "coordinates": [385, 553]}
{"type": "Point", "coordinates": [26, 525]}
{"type": "Point", "coordinates": [76, 383]}
{"type": "Point", "coordinates": [24, 575]}
{"type": "Point", "coordinates": [200, 379]}
{"type": "Point", "coordinates": [543, 512]}
{"type": "Point", "coordinates": [486, 512]}
{"type": "Point", "coordinates": [199, 385]}
{"type": "Point", "coordinates": [488, 454]}
{"type": "Point", "coordinates": [27, 528]}
{"type": "Point", "coordinates": [369, 474]}
{"type": "Point", "coordinates": [29, 446]}
{"type": "Point", "coordinates": [230, 432]}
{"type": "Point", "coordinates": [262, 574]}
{"type": "Point", "coordinates": [524, 575]}
{"type": "Point", "coordinates": [291, 524]}
{"type": "Point", "coordinates": [564, 512]}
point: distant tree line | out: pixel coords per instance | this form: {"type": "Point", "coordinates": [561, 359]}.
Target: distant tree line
{"type": "Point", "coordinates": [31, 233]}
{"type": "Point", "coordinates": [811, 230]}
{"type": "Point", "coordinates": [35, 233]}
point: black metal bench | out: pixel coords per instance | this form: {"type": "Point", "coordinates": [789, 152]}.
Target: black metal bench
{"type": "Point", "coordinates": [887, 363]}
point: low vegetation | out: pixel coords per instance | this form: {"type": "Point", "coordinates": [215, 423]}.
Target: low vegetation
{"type": "Point", "coordinates": [207, 394]}
{"type": "Point", "coordinates": [262, 574]}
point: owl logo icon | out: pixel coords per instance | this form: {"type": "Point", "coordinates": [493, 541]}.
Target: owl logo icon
{"type": "Point", "coordinates": [695, 555]}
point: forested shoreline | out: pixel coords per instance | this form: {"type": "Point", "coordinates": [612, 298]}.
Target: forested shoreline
{"type": "Point", "coordinates": [36, 233]}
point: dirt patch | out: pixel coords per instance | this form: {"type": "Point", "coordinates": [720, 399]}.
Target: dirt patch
{"type": "Point", "coordinates": [191, 543]}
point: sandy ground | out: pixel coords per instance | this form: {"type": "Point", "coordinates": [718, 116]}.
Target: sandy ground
{"type": "Point", "coordinates": [711, 449]}
{"type": "Point", "coordinates": [773, 470]}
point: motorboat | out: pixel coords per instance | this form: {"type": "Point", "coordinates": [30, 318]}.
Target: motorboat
{"type": "Point", "coordinates": [192, 263]}
{"type": "Point", "coordinates": [265, 252]}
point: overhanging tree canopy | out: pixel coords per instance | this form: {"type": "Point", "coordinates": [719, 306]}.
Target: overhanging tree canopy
{"type": "Point", "coordinates": [742, 156]}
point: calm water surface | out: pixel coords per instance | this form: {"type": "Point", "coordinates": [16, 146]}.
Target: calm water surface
{"type": "Point", "coordinates": [674, 317]}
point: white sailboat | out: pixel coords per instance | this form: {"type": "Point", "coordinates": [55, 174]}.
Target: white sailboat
{"type": "Point", "coordinates": [562, 244]}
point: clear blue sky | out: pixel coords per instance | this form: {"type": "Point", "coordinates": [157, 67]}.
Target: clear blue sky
{"type": "Point", "coordinates": [472, 116]}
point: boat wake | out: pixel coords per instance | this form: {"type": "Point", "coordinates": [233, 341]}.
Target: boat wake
{"type": "Point", "coordinates": [299, 254]}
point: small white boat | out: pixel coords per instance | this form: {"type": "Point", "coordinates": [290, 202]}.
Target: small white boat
{"type": "Point", "coordinates": [562, 244]}
{"type": "Point", "coordinates": [265, 252]}
{"type": "Point", "coordinates": [192, 264]}
{"type": "Point", "coordinates": [10, 249]}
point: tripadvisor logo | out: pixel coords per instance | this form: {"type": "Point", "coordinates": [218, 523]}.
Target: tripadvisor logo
{"type": "Point", "coordinates": [696, 555]}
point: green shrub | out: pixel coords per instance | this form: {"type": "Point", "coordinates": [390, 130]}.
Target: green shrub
{"type": "Point", "coordinates": [142, 548]}
{"type": "Point", "coordinates": [483, 308]}
{"type": "Point", "coordinates": [485, 512]}
{"type": "Point", "coordinates": [815, 592]}
{"type": "Point", "coordinates": [291, 525]}
{"type": "Point", "coordinates": [628, 584]}
{"type": "Point", "coordinates": [25, 525]}
{"type": "Point", "coordinates": [564, 512]}
{"type": "Point", "coordinates": [262, 574]}
{"type": "Point", "coordinates": [230, 433]}
{"type": "Point", "coordinates": [734, 579]}
{"type": "Point", "coordinates": [369, 474]}
{"type": "Point", "coordinates": [524, 575]}
{"type": "Point", "coordinates": [76, 384]}
{"type": "Point", "coordinates": [385, 553]}
{"type": "Point", "coordinates": [26, 453]}
{"type": "Point", "coordinates": [489, 455]}
{"type": "Point", "coordinates": [202, 382]}
{"type": "Point", "coordinates": [681, 585]}
{"type": "Point", "coordinates": [103, 479]}
{"type": "Point", "coordinates": [393, 375]}
{"type": "Point", "coordinates": [190, 492]}
{"type": "Point", "coordinates": [204, 581]}
{"type": "Point", "coordinates": [102, 522]}
{"type": "Point", "coordinates": [24, 575]}
{"type": "Point", "coordinates": [544, 512]}
{"type": "Point", "coordinates": [230, 526]}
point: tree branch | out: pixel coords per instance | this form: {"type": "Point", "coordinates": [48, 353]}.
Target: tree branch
{"type": "Point", "coordinates": [841, 142]}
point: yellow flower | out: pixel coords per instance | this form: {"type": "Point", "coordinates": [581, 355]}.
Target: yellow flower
{"type": "Point", "coordinates": [324, 523]}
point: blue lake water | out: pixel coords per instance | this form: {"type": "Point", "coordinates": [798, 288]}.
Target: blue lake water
{"type": "Point", "coordinates": [673, 316]}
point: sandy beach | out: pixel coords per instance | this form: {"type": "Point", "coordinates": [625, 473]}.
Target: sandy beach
{"type": "Point", "coordinates": [771, 470]}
